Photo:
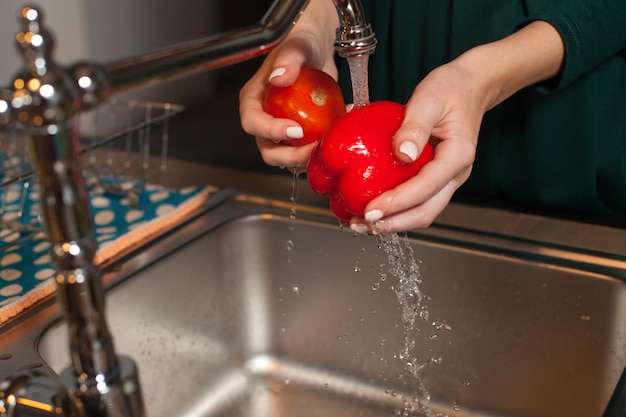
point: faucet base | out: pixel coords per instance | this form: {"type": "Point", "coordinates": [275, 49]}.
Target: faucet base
{"type": "Point", "coordinates": [108, 395]}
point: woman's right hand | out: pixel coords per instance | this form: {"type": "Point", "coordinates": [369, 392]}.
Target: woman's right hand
{"type": "Point", "coordinates": [310, 43]}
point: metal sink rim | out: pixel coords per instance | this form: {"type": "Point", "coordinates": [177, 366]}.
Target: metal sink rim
{"type": "Point", "coordinates": [231, 204]}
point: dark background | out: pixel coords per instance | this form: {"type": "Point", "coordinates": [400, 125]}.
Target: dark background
{"type": "Point", "coordinates": [210, 132]}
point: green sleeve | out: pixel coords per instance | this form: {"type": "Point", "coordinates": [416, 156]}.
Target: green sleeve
{"type": "Point", "coordinates": [592, 31]}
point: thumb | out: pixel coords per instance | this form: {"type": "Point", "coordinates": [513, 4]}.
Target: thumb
{"type": "Point", "coordinates": [415, 131]}
{"type": "Point", "coordinates": [293, 54]}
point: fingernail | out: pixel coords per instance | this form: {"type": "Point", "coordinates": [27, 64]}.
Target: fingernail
{"type": "Point", "coordinates": [294, 132]}
{"type": "Point", "coordinates": [359, 228]}
{"type": "Point", "coordinates": [373, 216]}
{"type": "Point", "coordinates": [409, 149]}
{"type": "Point", "coordinates": [349, 107]}
{"type": "Point", "coordinates": [277, 73]}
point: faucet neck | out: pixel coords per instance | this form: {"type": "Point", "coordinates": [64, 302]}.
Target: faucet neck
{"type": "Point", "coordinates": [354, 35]}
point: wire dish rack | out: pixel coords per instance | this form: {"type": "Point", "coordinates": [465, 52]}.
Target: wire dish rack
{"type": "Point", "coordinates": [119, 140]}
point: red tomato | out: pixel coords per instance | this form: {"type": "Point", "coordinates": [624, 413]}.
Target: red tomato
{"type": "Point", "coordinates": [354, 162]}
{"type": "Point", "coordinates": [314, 101]}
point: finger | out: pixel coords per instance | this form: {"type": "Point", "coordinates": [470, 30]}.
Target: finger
{"type": "Point", "coordinates": [359, 226]}
{"type": "Point", "coordinates": [281, 68]}
{"type": "Point", "coordinates": [285, 71]}
{"type": "Point", "coordinates": [420, 216]}
{"type": "Point", "coordinates": [295, 52]}
{"type": "Point", "coordinates": [420, 117]}
{"type": "Point", "coordinates": [255, 121]}
{"type": "Point", "coordinates": [452, 164]}
{"type": "Point", "coordinates": [284, 156]}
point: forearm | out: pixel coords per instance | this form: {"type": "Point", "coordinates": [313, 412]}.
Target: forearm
{"type": "Point", "coordinates": [593, 32]}
{"type": "Point", "coordinates": [533, 54]}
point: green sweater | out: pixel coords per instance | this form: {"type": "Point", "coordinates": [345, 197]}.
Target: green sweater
{"type": "Point", "coordinates": [558, 147]}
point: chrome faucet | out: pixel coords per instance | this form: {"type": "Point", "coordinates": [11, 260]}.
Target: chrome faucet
{"type": "Point", "coordinates": [354, 34]}
{"type": "Point", "coordinates": [44, 99]}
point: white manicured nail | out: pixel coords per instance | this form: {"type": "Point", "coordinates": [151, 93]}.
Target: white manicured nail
{"type": "Point", "coordinates": [373, 216]}
{"type": "Point", "coordinates": [409, 149]}
{"type": "Point", "coordinates": [359, 228]}
{"type": "Point", "coordinates": [294, 132]}
{"type": "Point", "coordinates": [277, 72]}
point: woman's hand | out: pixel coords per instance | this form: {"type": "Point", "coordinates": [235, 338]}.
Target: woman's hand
{"type": "Point", "coordinates": [447, 108]}
{"type": "Point", "coordinates": [310, 43]}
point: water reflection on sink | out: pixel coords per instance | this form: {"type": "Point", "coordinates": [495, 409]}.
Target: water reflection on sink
{"type": "Point", "coordinates": [234, 323]}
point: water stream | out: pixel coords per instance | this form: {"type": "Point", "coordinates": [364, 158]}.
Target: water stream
{"type": "Point", "coordinates": [295, 189]}
{"type": "Point", "coordinates": [359, 76]}
{"type": "Point", "coordinates": [402, 265]}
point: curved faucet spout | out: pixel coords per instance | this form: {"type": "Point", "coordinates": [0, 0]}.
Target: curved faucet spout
{"type": "Point", "coordinates": [355, 36]}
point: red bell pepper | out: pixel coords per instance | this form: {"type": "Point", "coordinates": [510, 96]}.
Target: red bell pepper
{"type": "Point", "coordinates": [355, 162]}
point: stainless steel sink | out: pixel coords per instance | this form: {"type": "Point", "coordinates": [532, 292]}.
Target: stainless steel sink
{"type": "Point", "coordinates": [246, 311]}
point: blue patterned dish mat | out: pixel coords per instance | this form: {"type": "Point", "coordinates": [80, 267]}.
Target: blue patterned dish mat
{"type": "Point", "coordinates": [121, 221]}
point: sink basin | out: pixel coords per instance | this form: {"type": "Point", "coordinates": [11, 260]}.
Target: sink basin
{"type": "Point", "coordinates": [248, 311]}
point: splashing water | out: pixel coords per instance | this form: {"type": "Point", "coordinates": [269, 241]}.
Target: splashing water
{"type": "Point", "coordinates": [404, 267]}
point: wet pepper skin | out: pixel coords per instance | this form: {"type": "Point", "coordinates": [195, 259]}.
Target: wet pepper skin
{"type": "Point", "coordinates": [354, 162]}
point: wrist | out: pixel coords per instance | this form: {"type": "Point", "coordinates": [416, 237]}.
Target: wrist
{"type": "Point", "coordinates": [318, 23]}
